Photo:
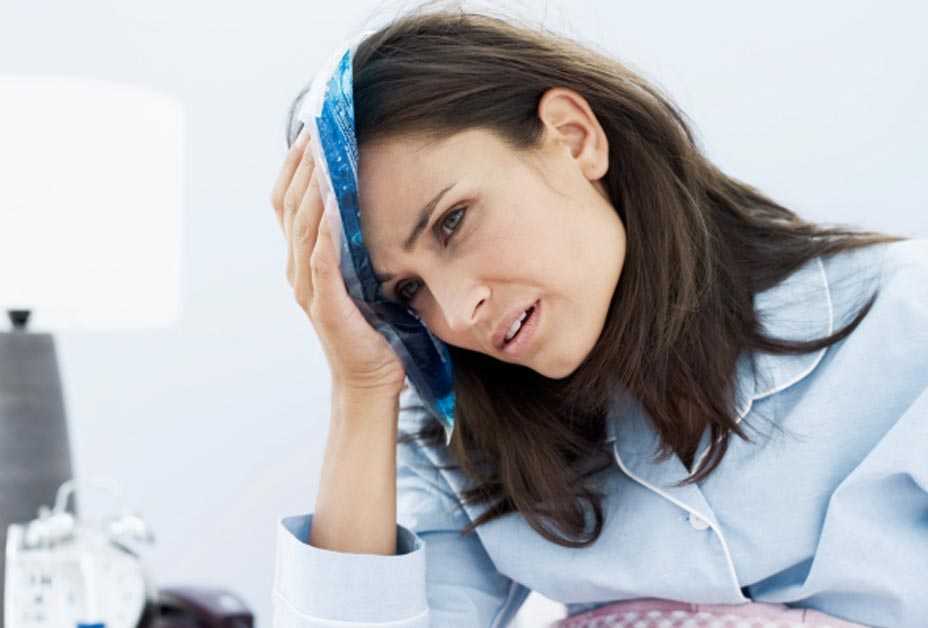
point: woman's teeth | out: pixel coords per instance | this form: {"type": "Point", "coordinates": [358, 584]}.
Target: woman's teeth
{"type": "Point", "coordinates": [516, 326]}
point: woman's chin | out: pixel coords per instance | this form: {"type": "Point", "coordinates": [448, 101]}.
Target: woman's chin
{"type": "Point", "coordinates": [559, 370]}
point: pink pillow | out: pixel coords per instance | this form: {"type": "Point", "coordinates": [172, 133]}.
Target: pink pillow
{"type": "Point", "coordinates": [655, 613]}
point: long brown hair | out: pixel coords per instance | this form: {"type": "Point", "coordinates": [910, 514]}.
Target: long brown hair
{"type": "Point", "coordinates": [700, 244]}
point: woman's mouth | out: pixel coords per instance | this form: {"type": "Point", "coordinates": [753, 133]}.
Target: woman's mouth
{"type": "Point", "coordinates": [523, 332]}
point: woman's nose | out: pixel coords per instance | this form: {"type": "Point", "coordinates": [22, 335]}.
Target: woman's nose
{"type": "Point", "coordinates": [460, 304]}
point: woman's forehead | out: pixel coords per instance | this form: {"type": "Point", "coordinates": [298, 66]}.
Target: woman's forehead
{"type": "Point", "coordinates": [409, 156]}
{"type": "Point", "coordinates": [398, 178]}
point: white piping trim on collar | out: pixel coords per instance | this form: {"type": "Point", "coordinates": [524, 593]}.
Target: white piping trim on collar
{"type": "Point", "coordinates": [728, 559]}
{"type": "Point", "coordinates": [785, 385]}
{"type": "Point", "coordinates": [821, 354]}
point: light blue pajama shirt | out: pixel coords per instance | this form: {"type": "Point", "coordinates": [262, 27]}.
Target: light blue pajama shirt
{"type": "Point", "coordinates": [830, 513]}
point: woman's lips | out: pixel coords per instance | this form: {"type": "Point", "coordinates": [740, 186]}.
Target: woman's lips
{"type": "Point", "coordinates": [520, 342]}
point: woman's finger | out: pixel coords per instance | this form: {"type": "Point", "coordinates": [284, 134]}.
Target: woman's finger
{"type": "Point", "coordinates": [302, 240]}
{"type": "Point", "coordinates": [286, 174]}
{"type": "Point", "coordinates": [297, 188]}
{"type": "Point", "coordinates": [328, 286]}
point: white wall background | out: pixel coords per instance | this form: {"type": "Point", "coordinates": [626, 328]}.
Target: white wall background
{"type": "Point", "coordinates": [216, 426]}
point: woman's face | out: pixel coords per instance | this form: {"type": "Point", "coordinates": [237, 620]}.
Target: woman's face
{"type": "Point", "coordinates": [506, 230]}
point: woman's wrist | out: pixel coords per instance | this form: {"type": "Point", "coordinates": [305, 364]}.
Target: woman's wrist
{"type": "Point", "coordinates": [352, 404]}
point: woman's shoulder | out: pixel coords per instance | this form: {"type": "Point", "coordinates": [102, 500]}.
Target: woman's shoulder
{"type": "Point", "coordinates": [904, 266]}
{"type": "Point", "coordinates": [897, 270]}
{"type": "Point", "coordinates": [890, 344]}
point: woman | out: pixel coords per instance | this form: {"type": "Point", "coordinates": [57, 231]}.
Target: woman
{"type": "Point", "coordinates": [658, 311]}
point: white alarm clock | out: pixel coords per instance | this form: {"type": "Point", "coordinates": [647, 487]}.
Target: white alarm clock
{"type": "Point", "coordinates": [63, 572]}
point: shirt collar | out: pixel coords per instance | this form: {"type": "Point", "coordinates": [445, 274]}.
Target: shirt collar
{"type": "Point", "coordinates": [797, 308]}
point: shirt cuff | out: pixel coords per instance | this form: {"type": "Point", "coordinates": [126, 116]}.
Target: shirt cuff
{"type": "Point", "coordinates": [319, 587]}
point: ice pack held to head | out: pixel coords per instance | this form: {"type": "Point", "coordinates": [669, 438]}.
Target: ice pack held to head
{"type": "Point", "coordinates": [327, 112]}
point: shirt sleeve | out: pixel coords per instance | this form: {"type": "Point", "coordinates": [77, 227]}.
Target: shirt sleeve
{"type": "Point", "coordinates": [437, 577]}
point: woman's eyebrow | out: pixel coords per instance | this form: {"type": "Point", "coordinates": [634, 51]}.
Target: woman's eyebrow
{"type": "Point", "coordinates": [425, 215]}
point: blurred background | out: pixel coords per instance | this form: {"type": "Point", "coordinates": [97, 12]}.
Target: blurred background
{"type": "Point", "coordinates": [216, 424]}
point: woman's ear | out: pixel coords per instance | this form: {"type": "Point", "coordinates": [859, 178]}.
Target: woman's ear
{"type": "Point", "coordinates": [570, 122]}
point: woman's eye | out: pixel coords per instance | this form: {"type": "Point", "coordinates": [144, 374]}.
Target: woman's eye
{"type": "Point", "coordinates": [450, 222]}
{"type": "Point", "coordinates": [403, 295]}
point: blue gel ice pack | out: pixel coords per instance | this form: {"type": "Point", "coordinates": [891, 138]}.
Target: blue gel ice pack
{"type": "Point", "coordinates": [328, 112]}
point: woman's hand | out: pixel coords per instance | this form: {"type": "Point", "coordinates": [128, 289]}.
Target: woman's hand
{"type": "Point", "coordinates": [359, 357]}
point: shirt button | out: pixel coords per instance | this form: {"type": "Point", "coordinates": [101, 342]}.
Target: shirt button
{"type": "Point", "coordinates": [698, 522]}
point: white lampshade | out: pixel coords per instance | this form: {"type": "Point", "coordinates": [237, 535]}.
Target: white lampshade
{"type": "Point", "coordinates": [91, 202]}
